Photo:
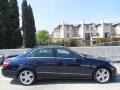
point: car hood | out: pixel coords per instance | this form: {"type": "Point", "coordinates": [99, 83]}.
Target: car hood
{"type": "Point", "coordinates": [97, 58]}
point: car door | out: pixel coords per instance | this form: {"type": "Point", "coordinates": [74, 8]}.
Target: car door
{"type": "Point", "coordinates": [70, 64]}
{"type": "Point", "coordinates": [45, 62]}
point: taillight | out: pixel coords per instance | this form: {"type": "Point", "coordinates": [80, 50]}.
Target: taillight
{"type": "Point", "coordinates": [6, 64]}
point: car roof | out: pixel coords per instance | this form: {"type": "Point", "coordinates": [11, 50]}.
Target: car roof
{"type": "Point", "coordinates": [50, 46]}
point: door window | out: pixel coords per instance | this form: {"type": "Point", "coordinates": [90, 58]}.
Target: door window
{"type": "Point", "coordinates": [46, 52]}
{"type": "Point", "coordinates": [63, 53]}
{"type": "Point", "coordinates": [66, 54]}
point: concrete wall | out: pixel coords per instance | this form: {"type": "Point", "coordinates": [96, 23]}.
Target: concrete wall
{"type": "Point", "coordinates": [111, 52]}
{"type": "Point", "coordinates": [8, 52]}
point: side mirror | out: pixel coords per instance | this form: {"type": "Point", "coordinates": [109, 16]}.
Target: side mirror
{"type": "Point", "coordinates": [78, 59]}
{"type": "Point", "coordinates": [1, 59]}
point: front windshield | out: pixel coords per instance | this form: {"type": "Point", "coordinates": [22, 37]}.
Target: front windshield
{"type": "Point", "coordinates": [82, 55]}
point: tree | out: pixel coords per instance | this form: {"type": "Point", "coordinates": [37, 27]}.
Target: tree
{"type": "Point", "coordinates": [62, 42]}
{"type": "Point", "coordinates": [69, 43]}
{"type": "Point", "coordinates": [14, 18]}
{"type": "Point", "coordinates": [43, 38]}
{"type": "Point", "coordinates": [73, 42]}
{"type": "Point", "coordinates": [28, 26]}
{"type": "Point", "coordinates": [6, 39]}
{"type": "Point", "coordinates": [25, 25]}
{"type": "Point", "coordinates": [32, 27]}
{"type": "Point", "coordinates": [102, 40]}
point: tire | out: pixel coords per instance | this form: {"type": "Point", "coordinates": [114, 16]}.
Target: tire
{"type": "Point", "coordinates": [26, 77]}
{"type": "Point", "coordinates": [102, 75]}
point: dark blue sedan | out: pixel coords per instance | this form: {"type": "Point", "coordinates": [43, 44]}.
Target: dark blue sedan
{"type": "Point", "coordinates": [54, 62]}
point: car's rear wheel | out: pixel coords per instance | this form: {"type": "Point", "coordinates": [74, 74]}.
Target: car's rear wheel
{"type": "Point", "coordinates": [102, 75]}
{"type": "Point", "coordinates": [26, 77]}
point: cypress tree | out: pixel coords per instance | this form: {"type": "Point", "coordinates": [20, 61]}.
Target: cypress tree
{"type": "Point", "coordinates": [25, 24]}
{"type": "Point", "coordinates": [28, 26]}
{"type": "Point", "coordinates": [14, 18]}
{"type": "Point", "coordinates": [32, 27]}
{"type": "Point", "coordinates": [5, 26]}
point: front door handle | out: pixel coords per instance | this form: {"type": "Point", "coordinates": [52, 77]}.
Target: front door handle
{"type": "Point", "coordinates": [36, 62]}
{"type": "Point", "coordinates": [60, 64]}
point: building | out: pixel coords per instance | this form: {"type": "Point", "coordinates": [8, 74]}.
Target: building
{"type": "Point", "coordinates": [86, 32]}
{"type": "Point", "coordinates": [116, 31]}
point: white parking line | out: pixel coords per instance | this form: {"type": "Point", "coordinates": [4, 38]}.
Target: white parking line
{"type": "Point", "coordinates": [5, 79]}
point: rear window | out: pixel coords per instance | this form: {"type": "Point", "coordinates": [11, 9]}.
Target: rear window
{"type": "Point", "coordinates": [46, 52]}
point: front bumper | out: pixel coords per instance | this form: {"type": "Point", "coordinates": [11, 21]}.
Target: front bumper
{"type": "Point", "coordinates": [114, 72]}
{"type": "Point", "coordinates": [9, 73]}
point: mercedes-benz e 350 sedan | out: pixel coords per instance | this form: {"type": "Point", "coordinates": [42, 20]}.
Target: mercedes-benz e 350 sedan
{"type": "Point", "coordinates": [53, 62]}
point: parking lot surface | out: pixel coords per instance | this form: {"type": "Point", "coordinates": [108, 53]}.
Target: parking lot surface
{"type": "Point", "coordinates": [9, 84]}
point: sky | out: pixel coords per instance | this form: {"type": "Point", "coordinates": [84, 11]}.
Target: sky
{"type": "Point", "coordinates": [50, 13]}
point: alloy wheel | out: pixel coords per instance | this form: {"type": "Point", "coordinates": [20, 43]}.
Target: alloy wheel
{"type": "Point", "coordinates": [26, 77]}
{"type": "Point", "coordinates": [102, 75]}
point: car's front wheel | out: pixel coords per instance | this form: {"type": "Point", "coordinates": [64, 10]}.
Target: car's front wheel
{"type": "Point", "coordinates": [26, 77]}
{"type": "Point", "coordinates": [102, 75]}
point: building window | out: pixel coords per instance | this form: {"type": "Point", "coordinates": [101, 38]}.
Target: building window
{"type": "Point", "coordinates": [106, 35]}
{"type": "Point", "coordinates": [117, 31]}
{"type": "Point", "coordinates": [68, 35]}
{"type": "Point", "coordinates": [98, 34]}
{"type": "Point", "coordinates": [107, 27]}
{"type": "Point", "coordinates": [87, 36]}
{"type": "Point", "coordinates": [87, 27]}
{"type": "Point", "coordinates": [68, 29]}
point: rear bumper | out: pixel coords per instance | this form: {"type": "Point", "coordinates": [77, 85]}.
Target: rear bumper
{"type": "Point", "coordinates": [9, 73]}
